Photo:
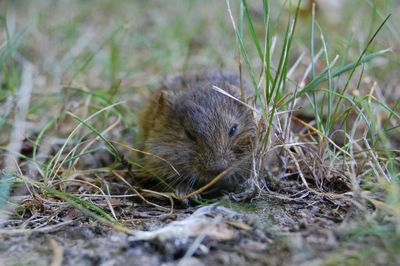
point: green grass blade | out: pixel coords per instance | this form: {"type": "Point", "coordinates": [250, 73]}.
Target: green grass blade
{"type": "Point", "coordinates": [84, 205]}
{"type": "Point", "coordinates": [111, 147]}
{"type": "Point", "coordinates": [358, 63]}
{"type": "Point", "coordinates": [310, 87]}
{"type": "Point", "coordinates": [5, 187]}
{"type": "Point", "coordinates": [253, 34]}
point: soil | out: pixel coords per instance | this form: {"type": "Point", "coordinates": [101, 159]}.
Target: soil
{"type": "Point", "coordinates": [266, 231]}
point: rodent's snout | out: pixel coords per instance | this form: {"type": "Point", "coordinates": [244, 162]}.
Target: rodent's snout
{"type": "Point", "coordinates": [217, 167]}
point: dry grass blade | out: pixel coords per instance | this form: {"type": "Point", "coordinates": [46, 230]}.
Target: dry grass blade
{"type": "Point", "coordinates": [315, 130]}
{"type": "Point", "coordinates": [55, 161]}
{"type": "Point", "coordinates": [236, 99]}
{"type": "Point", "coordinates": [126, 146]}
{"type": "Point", "coordinates": [17, 135]}
{"type": "Point", "coordinates": [166, 195]}
{"type": "Point", "coordinates": [197, 242]}
{"type": "Point", "coordinates": [106, 197]}
{"type": "Point", "coordinates": [46, 229]}
{"type": "Point", "coordinates": [211, 183]}
{"type": "Point", "coordinates": [19, 124]}
{"type": "Point", "coordinates": [109, 128]}
{"type": "Point", "coordinates": [58, 252]}
{"type": "Point", "coordinates": [299, 169]}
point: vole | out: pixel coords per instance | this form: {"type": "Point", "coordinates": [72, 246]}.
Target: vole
{"type": "Point", "coordinates": [192, 133]}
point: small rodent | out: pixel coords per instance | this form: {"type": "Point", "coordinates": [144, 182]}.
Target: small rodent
{"type": "Point", "coordinates": [199, 131]}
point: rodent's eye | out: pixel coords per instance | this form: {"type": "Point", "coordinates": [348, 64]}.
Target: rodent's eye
{"type": "Point", "coordinates": [190, 135]}
{"type": "Point", "coordinates": [238, 150]}
{"type": "Point", "coordinates": [232, 131]}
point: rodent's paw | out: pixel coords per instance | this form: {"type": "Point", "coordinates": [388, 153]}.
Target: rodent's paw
{"type": "Point", "coordinates": [182, 190]}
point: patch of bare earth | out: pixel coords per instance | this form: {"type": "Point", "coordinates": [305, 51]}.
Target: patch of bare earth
{"type": "Point", "coordinates": [277, 229]}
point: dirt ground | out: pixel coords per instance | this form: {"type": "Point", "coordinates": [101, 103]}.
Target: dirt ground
{"type": "Point", "coordinates": [209, 235]}
{"type": "Point", "coordinates": [272, 229]}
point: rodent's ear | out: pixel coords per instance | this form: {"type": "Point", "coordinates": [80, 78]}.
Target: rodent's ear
{"type": "Point", "coordinates": [153, 113]}
{"type": "Point", "coordinates": [161, 101]}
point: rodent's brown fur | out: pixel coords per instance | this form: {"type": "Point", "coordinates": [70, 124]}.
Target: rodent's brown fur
{"type": "Point", "coordinates": [190, 125]}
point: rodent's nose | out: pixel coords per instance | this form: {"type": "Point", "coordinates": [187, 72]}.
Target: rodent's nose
{"type": "Point", "coordinates": [218, 167]}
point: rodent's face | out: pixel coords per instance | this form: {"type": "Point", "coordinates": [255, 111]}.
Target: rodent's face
{"type": "Point", "coordinates": [218, 136]}
{"type": "Point", "coordinates": [203, 133]}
